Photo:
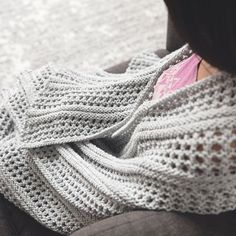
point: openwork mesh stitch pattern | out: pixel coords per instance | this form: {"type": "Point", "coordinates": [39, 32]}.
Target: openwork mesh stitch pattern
{"type": "Point", "coordinates": [142, 61]}
{"type": "Point", "coordinates": [177, 153]}
{"type": "Point", "coordinates": [31, 192]}
{"type": "Point", "coordinates": [6, 123]}
{"type": "Point", "coordinates": [75, 111]}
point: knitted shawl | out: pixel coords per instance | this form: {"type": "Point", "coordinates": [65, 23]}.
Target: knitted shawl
{"type": "Point", "coordinates": [78, 147]}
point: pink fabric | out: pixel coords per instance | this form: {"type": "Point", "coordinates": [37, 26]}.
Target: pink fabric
{"type": "Point", "coordinates": [176, 77]}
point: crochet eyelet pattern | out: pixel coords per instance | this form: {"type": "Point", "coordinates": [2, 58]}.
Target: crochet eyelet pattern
{"type": "Point", "coordinates": [78, 147]}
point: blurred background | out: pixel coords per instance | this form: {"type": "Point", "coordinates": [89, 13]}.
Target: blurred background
{"type": "Point", "coordinates": [77, 34]}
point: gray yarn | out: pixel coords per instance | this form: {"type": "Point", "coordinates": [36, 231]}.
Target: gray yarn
{"type": "Point", "coordinates": [76, 148]}
{"type": "Point", "coordinates": [142, 61]}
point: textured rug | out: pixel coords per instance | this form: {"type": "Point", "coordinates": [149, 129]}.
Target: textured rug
{"type": "Point", "coordinates": [78, 34]}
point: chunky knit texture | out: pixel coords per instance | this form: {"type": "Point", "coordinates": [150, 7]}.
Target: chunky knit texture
{"type": "Point", "coordinates": [76, 148]}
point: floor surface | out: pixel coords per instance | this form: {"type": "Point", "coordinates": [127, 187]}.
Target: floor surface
{"type": "Point", "coordinates": [77, 34]}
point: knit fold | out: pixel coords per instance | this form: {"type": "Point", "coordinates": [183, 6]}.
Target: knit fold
{"type": "Point", "coordinates": [79, 147]}
{"type": "Point", "coordinates": [53, 105]}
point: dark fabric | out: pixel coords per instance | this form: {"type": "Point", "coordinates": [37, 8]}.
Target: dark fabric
{"type": "Point", "coordinates": [14, 222]}
{"type": "Point", "coordinates": [119, 68]}
{"type": "Point", "coordinates": [173, 40]}
{"type": "Point", "coordinates": [6, 226]}
{"type": "Point", "coordinates": [162, 52]}
{"type": "Point", "coordinates": [153, 223]}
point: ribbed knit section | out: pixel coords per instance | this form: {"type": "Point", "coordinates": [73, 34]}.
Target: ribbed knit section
{"type": "Point", "coordinates": [76, 148]}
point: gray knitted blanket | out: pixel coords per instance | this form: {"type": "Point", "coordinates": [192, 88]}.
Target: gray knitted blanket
{"type": "Point", "coordinates": [78, 147]}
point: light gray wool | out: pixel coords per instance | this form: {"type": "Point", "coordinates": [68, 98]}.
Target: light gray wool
{"type": "Point", "coordinates": [79, 147]}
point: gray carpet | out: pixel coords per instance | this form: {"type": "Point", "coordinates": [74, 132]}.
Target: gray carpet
{"type": "Point", "coordinates": [78, 34]}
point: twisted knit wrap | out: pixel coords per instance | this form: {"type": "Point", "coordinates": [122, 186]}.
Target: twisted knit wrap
{"type": "Point", "coordinates": [79, 147]}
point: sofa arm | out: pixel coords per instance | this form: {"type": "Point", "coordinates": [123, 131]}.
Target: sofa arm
{"type": "Point", "coordinates": [162, 223]}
